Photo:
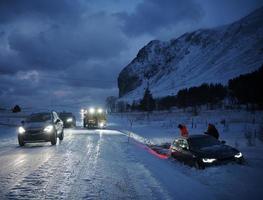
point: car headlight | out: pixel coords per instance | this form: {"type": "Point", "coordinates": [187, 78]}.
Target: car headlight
{"type": "Point", "coordinates": [48, 128]}
{"type": "Point", "coordinates": [238, 155]}
{"type": "Point", "coordinates": [100, 110]}
{"type": "Point", "coordinates": [69, 120]}
{"type": "Point", "coordinates": [208, 160]}
{"type": "Point", "coordinates": [101, 124]}
{"type": "Point", "coordinates": [21, 130]}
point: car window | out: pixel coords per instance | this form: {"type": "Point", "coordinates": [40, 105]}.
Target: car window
{"type": "Point", "coordinates": [176, 143]}
{"type": "Point", "coordinates": [180, 143]}
{"type": "Point", "coordinates": [183, 144]}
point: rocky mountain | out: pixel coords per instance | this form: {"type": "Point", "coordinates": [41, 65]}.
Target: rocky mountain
{"type": "Point", "coordinates": [203, 56]}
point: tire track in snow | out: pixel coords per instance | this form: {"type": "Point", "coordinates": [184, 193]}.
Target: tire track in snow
{"type": "Point", "coordinates": [111, 173]}
{"type": "Point", "coordinates": [36, 185]}
{"type": "Point", "coordinates": [89, 165]}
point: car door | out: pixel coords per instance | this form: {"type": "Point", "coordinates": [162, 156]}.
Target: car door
{"type": "Point", "coordinates": [57, 122]}
{"type": "Point", "coordinates": [60, 123]}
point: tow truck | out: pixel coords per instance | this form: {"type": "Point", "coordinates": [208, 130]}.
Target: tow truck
{"type": "Point", "coordinates": [94, 118]}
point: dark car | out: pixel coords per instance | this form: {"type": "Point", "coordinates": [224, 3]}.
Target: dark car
{"type": "Point", "coordinates": [68, 119]}
{"type": "Point", "coordinates": [203, 150]}
{"type": "Point", "coordinates": [41, 127]}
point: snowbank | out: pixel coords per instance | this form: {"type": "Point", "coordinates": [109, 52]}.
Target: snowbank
{"type": "Point", "coordinates": [240, 129]}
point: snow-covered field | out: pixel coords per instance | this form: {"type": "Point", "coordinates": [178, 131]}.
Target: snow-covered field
{"type": "Point", "coordinates": [106, 164]}
{"type": "Point", "coordinates": [243, 130]}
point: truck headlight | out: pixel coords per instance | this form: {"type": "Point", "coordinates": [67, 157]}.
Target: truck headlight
{"type": "Point", "coordinates": [69, 120]}
{"type": "Point", "coordinates": [238, 155]}
{"type": "Point", "coordinates": [21, 130]}
{"type": "Point", "coordinates": [91, 110]}
{"type": "Point", "coordinates": [100, 110]}
{"type": "Point", "coordinates": [208, 160]}
{"type": "Point", "coordinates": [101, 124]}
{"type": "Point", "coordinates": [48, 128]}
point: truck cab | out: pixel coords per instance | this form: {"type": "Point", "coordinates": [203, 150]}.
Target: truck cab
{"type": "Point", "coordinates": [94, 118]}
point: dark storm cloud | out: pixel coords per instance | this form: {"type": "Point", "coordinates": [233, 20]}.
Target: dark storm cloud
{"type": "Point", "coordinates": [61, 47]}
{"type": "Point", "coordinates": [51, 35]}
{"type": "Point", "coordinates": [11, 10]}
{"type": "Point", "coordinates": [103, 74]}
{"type": "Point", "coordinates": [152, 15]}
{"type": "Point", "coordinates": [55, 51]}
{"type": "Point", "coordinates": [218, 12]}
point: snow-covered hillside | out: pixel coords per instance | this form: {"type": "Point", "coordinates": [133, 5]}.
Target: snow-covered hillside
{"type": "Point", "coordinates": [206, 55]}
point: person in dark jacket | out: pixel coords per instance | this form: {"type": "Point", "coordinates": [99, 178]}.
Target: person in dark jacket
{"type": "Point", "coordinates": [183, 130]}
{"type": "Point", "coordinates": [212, 131]}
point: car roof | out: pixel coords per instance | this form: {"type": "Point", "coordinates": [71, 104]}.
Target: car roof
{"type": "Point", "coordinates": [41, 113]}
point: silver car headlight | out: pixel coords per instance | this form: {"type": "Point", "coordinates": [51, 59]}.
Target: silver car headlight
{"type": "Point", "coordinates": [208, 160]}
{"type": "Point", "coordinates": [21, 130]}
{"type": "Point", "coordinates": [48, 128]}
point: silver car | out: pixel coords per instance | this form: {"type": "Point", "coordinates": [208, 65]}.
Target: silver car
{"type": "Point", "coordinates": [41, 127]}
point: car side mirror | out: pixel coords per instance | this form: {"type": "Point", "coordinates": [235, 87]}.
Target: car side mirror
{"type": "Point", "coordinates": [57, 120]}
{"type": "Point", "coordinates": [223, 141]}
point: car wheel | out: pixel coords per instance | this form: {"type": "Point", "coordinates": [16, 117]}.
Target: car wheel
{"type": "Point", "coordinates": [21, 141]}
{"type": "Point", "coordinates": [53, 139]}
{"type": "Point", "coordinates": [199, 165]}
{"type": "Point", "coordinates": [61, 136]}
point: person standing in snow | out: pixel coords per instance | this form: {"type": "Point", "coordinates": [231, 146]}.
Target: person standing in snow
{"type": "Point", "coordinates": [183, 130]}
{"type": "Point", "coordinates": [212, 131]}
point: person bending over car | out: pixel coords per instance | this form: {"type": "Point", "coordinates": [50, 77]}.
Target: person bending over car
{"type": "Point", "coordinates": [212, 131]}
{"type": "Point", "coordinates": [183, 130]}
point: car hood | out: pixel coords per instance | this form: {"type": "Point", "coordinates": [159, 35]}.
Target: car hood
{"type": "Point", "coordinates": [216, 151]}
{"type": "Point", "coordinates": [36, 125]}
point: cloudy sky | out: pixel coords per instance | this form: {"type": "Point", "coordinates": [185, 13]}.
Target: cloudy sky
{"type": "Point", "coordinates": [69, 52]}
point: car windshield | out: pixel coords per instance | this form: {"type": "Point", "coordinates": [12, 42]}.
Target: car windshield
{"type": "Point", "coordinates": [39, 117]}
{"type": "Point", "coordinates": [202, 142]}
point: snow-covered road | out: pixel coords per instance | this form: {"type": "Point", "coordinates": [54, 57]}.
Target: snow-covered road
{"type": "Point", "coordinates": [105, 164]}
{"type": "Point", "coordinates": [90, 164]}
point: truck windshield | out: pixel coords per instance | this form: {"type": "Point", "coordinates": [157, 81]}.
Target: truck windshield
{"type": "Point", "coordinates": [39, 117]}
